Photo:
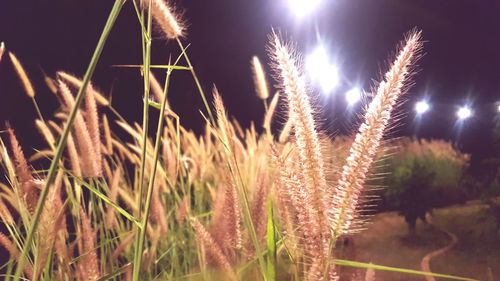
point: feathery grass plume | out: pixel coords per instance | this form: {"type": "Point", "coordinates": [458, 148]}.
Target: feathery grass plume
{"type": "Point", "coordinates": [270, 113]}
{"type": "Point", "coordinates": [46, 133]}
{"type": "Point", "coordinates": [5, 214]}
{"type": "Point", "coordinates": [73, 157]}
{"type": "Point", "coordinates": [282, 193]}
{"type": "Point", "coordinates": [207, 242]}
{"type": "Point", "coordinates": [108, 143]}
{"type": "Point", "coordinates": [158, 212]}
{"type": "Point", "coordinates": [14, 254]}
{"type": "Point", "coordinates": [301, 114]}
{"type": "Point", "coordinates": [113, 196]}
{"type": "Point", "coordinates": [168, 21]}
{"type": "Point", "coordinates": [259, 79]}
{"type": "Point", "coordinates": [259, 214]}
{"type": "Point", "coordinates": [84, 142]}
{"type": "Point", "coordinates": [225, 226]}
{"type": "Point", "coordinates": [369, 136]}
{"type": "Point", "coordinates": [50, 224]}
{"type": "Point", "coordinates": [223, 121]}
{"type": "Point", "coordinates": [9, 246]}
{"type": "Point", "coordinates": [77, 83]}
{"type": "Point", "coordinates": [29, 191]}
{"type": "Point", "coordinates": [51, 84]}
{"type": "Point", "coordinates": [28, 87]}
{"type": "Point", "coordinates": [286, 131]}
{"type": "Point", "coordinates": [88, 262]}
{"type": "Point", "coordinates": [92, 121]}
{"type": "Point", "coordinates": [2, 50]}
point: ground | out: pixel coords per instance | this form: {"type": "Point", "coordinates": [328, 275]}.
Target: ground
{"type": "Point", "coordinates": [386, 242]}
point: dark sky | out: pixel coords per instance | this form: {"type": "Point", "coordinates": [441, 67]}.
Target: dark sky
{"type": "Point", "coordinates": [461, 62]}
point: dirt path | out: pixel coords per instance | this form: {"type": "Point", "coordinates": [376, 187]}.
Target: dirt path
{"type": "Point", "coordinates": [425, 263]}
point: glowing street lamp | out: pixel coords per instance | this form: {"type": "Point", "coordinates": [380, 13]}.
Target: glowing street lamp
{"type": "Point", "coordinates": [422, 107]}
{"type": "Point", "coordinates": [353, 96]}
{"type": "Point", "coordinates": [302, 8]}
{"type": "Point", "coordinates": [321, 71]}
{"type": "Point", "coordinates": [464, 112]}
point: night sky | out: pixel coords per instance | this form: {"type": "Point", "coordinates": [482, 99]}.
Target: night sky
{"type": "Point", "coordinates": [461, 63]}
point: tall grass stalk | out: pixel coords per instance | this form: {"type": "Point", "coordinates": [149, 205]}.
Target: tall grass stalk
{"type": "Point", "coordinates": [146, 48]}
{"type": "Point", "coordinates": [156, 155]}
{"type": "Point", "coordinates": [62, 141]}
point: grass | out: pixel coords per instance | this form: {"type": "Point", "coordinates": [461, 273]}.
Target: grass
{"type": "Point", "coordinates": [229, 204]}
{"type": "Point", "coordinates": [386, 241]}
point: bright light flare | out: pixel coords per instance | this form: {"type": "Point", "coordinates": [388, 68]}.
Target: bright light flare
{"type": "Point", "coordinates": [302, 8]}
{"type": "Point", "coordinates": [464, 112]}
{"type": "Point", "coordinates": [321, 71]}
{"type": "Point", "coordinates": [353, 96]}
{"type": "Point", "coordinates": [498, 108]}
{"type": "Point", "coordinates": [422, 107]}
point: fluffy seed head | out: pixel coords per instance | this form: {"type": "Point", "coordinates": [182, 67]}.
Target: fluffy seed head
{"type": "Point", "coordinates": [28, 189]}
{"type": "Point", "coordinates": [92, 121]}
{"type": "Point", "coordinates": [88, 263]}
{"type": "Point", "coordinates": [169, 22]}
{"type": "Point", "coordinates": [369, 136]}
{"type": "Point", "coordinates": [270, 112]}
{"type": "Point", "coordinates": [207, 242]}
{"type": "Point", "coordinates": [2, 50]}
{"type": "Point", "coordinates": [89, 164]}
{"type": "Point", "coordinates": [307, 140]}
{"type": "Point", "coordinates": [259, 79]}
{"type": "Point", "coordinates": [28, 87]}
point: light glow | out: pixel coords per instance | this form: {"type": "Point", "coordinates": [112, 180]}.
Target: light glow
{"type": "Point", "coordinates": [353, 96]}
{"type": "Point", "coordinates": [302, 8]}
{"type": "Point", "coordinates": [498, 108]}
{"type": "Point", "coordinates": [321, 71]}
{"type": "Point", "coordinates": [421, 107]}
{"type": "Point", "coordinates": [464, 112]}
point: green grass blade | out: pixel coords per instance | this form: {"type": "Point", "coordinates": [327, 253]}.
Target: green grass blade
{"type": "Point", "coordinates": [398, 270]}
{"type": "Point", "coordinates": [106, 200]}
{"type": "Point", "coordinates": [62, 141]}
{"type": "Point", "coordinates": [271, 244]}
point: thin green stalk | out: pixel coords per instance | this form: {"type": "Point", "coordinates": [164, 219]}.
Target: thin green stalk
{"type": "Point", "coordinates": [37, 109]}
{"type": "Point", "coordinates": [197, 81]}
{"type": "Point", "coordinates": [356, 264]}
{"type": "Point", "coordinates": [146, 39]}
{"type": "Point", "coordinates": [64, 137]}
{"type": "Point", "coordinates": [147, 207]}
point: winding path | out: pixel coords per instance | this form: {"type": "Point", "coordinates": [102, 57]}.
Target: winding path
{"type": "Point", "coordinates": [425, 263]}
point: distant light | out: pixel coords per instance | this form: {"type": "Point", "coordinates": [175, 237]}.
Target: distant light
{"type": "Point", "coordinates": [421, 107]}
{"type": "Point", "coordinates": [498, 108]}
{"type": "Point", "coordinates": [464, 113]}
{"type": "Point", "coordinates": [302, 8]}
{"type": "Point", "coordinates": [353, 96]}
{"type": "Point", "coordinates": [321, 71]}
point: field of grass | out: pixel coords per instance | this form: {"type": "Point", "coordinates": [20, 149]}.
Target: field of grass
{"type": "Point", "coordinates": [156, 201]}
{"type": "Point", "coordinates": [386, 241]}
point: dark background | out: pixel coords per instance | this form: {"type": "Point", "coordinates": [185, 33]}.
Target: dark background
{"type": "Point", "coordinates": [461, 62]}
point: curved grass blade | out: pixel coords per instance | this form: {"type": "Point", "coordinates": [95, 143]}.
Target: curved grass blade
{"type": "Point", "coordinates": [398, 270]}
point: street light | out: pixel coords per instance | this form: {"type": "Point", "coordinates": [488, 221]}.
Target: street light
{"type": "Point", "coordinates": [353, 96]}
{"type": "Point", "coordinates": [302, 8]}
{"type": "Point", "coordinates": [321, 71]}
{"type": "Point", "coordinates": [421, 107]}
{"type": "Point", "coordinates": [464, 112]}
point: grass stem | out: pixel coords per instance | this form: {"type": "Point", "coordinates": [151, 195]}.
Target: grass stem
{"type": "Point", "coordinates": [64, 137]}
